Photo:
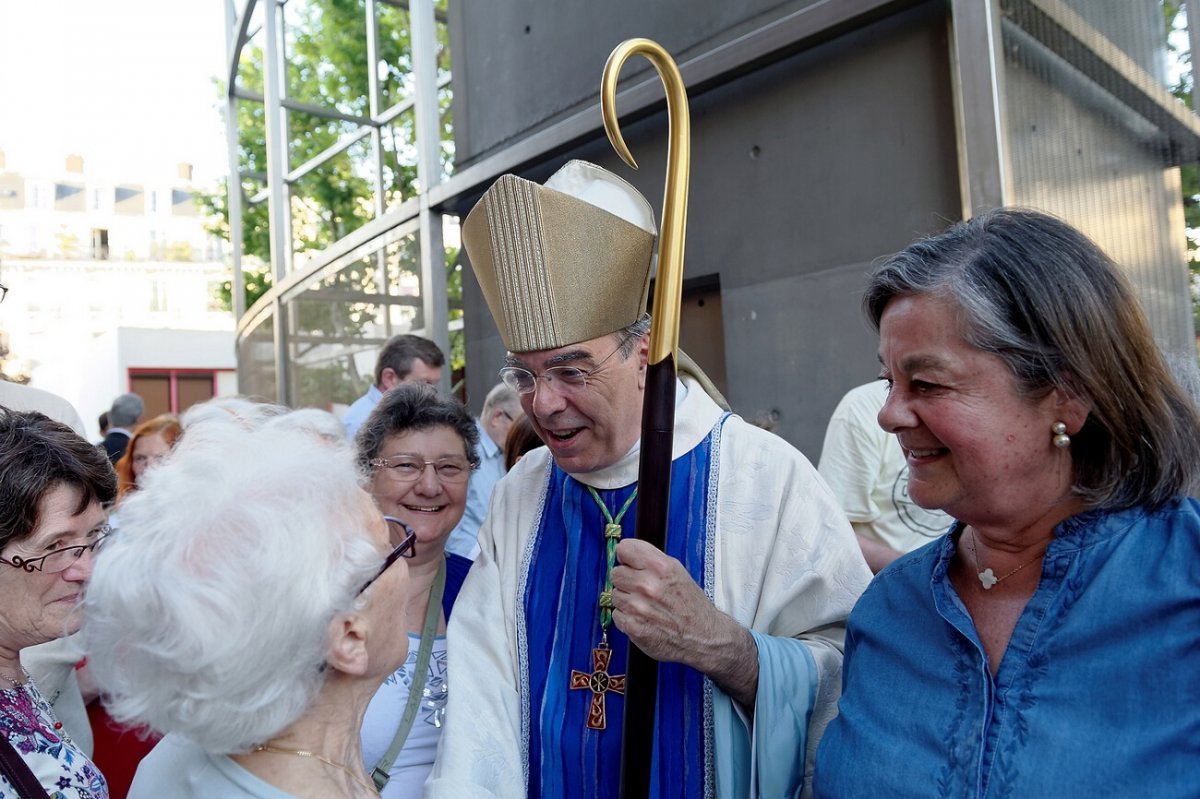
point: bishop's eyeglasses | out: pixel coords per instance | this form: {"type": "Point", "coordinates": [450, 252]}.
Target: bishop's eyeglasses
{"type": "Point", "coordinates": [569, 378]}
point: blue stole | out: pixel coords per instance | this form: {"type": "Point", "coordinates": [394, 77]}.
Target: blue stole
{"type": "Point", "coordinates": [567, 760]}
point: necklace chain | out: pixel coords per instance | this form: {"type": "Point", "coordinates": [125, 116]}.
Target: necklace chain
{"type": "Point", "coordinates": [986, 576]}
{"type": "Point", "coordinates": [303, 753]}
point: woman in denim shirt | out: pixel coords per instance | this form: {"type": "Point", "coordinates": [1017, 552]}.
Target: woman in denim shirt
{"type": "Point", "coordinates": [1048, 644]}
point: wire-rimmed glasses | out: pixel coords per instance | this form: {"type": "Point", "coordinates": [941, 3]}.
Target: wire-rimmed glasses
{"type": "Point", "coordinates": [409, 468]}
{"type": "Point", "coordinates": [569, 378]}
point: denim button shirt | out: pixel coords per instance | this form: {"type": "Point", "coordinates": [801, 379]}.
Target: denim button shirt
{"type": "Point", "coordinates": [1098, 692]}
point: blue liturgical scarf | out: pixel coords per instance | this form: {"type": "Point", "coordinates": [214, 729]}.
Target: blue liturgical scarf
{"type": "Point", "coordinates": [567, 760]}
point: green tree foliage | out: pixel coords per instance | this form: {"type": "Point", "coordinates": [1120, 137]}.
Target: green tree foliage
{"type": "Point", "coordinates": [327, 66]}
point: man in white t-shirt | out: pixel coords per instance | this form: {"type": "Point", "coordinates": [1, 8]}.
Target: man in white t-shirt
{"type": "Point", "coordinates": [865, 467]}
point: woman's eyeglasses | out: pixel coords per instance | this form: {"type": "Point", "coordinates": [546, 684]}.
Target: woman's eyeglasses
{"type": "Point", "coordinates": [409, 468]}
{"type": "Point", "coordinates": [60, 559]}
{"type": "Point", "coordinates": [404, 541]}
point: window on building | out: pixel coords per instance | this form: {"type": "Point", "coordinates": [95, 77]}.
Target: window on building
{"type": "Point", "coordinates": [100, 244]}
{"type": "Point", "coordinates": [175, 390]}
{"type": "Point", "coordinates": [158, 295]}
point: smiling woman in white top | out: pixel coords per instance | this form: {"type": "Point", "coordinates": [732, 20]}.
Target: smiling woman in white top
{"type": "Point", "coordinates": [420, 448]}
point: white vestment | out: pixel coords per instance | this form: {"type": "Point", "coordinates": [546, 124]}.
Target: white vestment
{"type": "Point", "coordinates": [786, 565]}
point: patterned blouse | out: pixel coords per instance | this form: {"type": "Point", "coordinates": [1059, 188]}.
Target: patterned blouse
{"type": "Point", "coordinates": [29, 724]}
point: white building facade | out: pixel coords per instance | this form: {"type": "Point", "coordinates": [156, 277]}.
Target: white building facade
{"type": "Point", "coordinates": [113, 287]}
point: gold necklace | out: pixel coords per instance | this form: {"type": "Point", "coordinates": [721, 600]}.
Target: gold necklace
{"type": "Point", "coordinates": [988, 577]}
{"type": "Point", "coordinates": [302, 753]}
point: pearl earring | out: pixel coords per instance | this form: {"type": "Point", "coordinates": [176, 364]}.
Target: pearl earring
{"type": "Point", "coordinates": [1061, 439]}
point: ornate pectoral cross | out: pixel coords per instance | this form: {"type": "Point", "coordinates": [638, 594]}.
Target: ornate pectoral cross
{"type": "Point", "coordinates": [599, 682]}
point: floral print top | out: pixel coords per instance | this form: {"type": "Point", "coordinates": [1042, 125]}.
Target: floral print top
{"type": "Point", "coordinates": [29, 724]}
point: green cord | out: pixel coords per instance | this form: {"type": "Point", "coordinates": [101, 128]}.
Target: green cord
{"type": "Point", "coordinates": [612, 534]}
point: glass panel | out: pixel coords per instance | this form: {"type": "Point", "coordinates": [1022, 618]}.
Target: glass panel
{"type": "Point", "coordinates": [335, 198]}
{"type": "Point", "coordinates": [326, 54]}
{"type": "Point", "coordinates": [395, 55]}
{"type": "Point", "coordinates": [335, 326]}
{"type": "Point", "coordinates": [441, 19]}
{"type": "Point", "coordinates": [256, 359]}
{"type": "Point", "coordinates": [446, 119]}
{"type": "Point", "coordinates": [340, 322]}
{"type": "Point", "coordinates": [400, 159]}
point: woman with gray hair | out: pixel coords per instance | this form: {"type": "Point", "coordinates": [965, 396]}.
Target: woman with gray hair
{"type": "Point", "coordinates": [246, 612]}
{"type": "Point", "coordinates": [1047, 643]}
{"type": "Point", "coordinates": [420, 449]}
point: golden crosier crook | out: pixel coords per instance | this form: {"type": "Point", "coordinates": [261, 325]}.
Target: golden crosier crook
{"type": "Point", "coordinates": [668, 291]}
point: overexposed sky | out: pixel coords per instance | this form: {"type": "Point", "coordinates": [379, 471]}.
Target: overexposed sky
{"type": "Point", "coordinates": [127, 84]}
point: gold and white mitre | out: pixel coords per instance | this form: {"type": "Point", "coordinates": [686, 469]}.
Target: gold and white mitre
{"type": "Point", "coordinates": [565, 262]}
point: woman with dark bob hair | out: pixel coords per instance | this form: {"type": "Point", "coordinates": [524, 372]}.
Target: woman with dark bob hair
{"type": "Point", "coordinates": [1047, 643]}
{"type": "Point", "coordinates": [420, 449]}
{"type": "Point", "coordinates": [54, 487]}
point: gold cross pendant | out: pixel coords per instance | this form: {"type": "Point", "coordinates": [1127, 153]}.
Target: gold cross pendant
{"type": "Point", "coordinates": [599, 682]}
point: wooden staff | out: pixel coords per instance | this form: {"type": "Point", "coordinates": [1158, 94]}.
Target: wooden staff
{"type": "Point", "coordinates": [658, 409]}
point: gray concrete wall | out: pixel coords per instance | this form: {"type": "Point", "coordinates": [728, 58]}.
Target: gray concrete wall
{"type": "Point", "coordinates": [802, 173]}
{"type": "Point", "coordinates": [522, 64]}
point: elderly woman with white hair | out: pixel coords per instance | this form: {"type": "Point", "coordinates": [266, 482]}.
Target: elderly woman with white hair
{"type": "Point", "coordinates": [246, 611]}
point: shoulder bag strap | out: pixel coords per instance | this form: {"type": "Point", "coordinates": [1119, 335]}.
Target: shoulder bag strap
{"type": "Point", "coordinates": [18, 773]}
{"type": "Point", "coordinates": [380, 774]}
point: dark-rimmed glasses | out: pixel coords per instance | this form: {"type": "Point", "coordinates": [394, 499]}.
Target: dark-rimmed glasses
{"type": "Point", "coordinates": [60, 559]}
{"type": "Point", "coordinates": [404, 540]}
{"type": "Point", "coordinates": [570, 378]}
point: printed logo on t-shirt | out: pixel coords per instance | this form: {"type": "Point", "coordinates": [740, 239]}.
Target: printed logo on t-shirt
{"type": "Point", "coordinates": [929, 523]}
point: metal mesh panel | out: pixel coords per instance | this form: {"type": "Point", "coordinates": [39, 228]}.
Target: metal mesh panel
{"type": "Point", "coordinates": [1092, 139]}
{"type": "Point", "coordinates": [339, 323]}
{"type": "Point", "coordinates": [256, 360]}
